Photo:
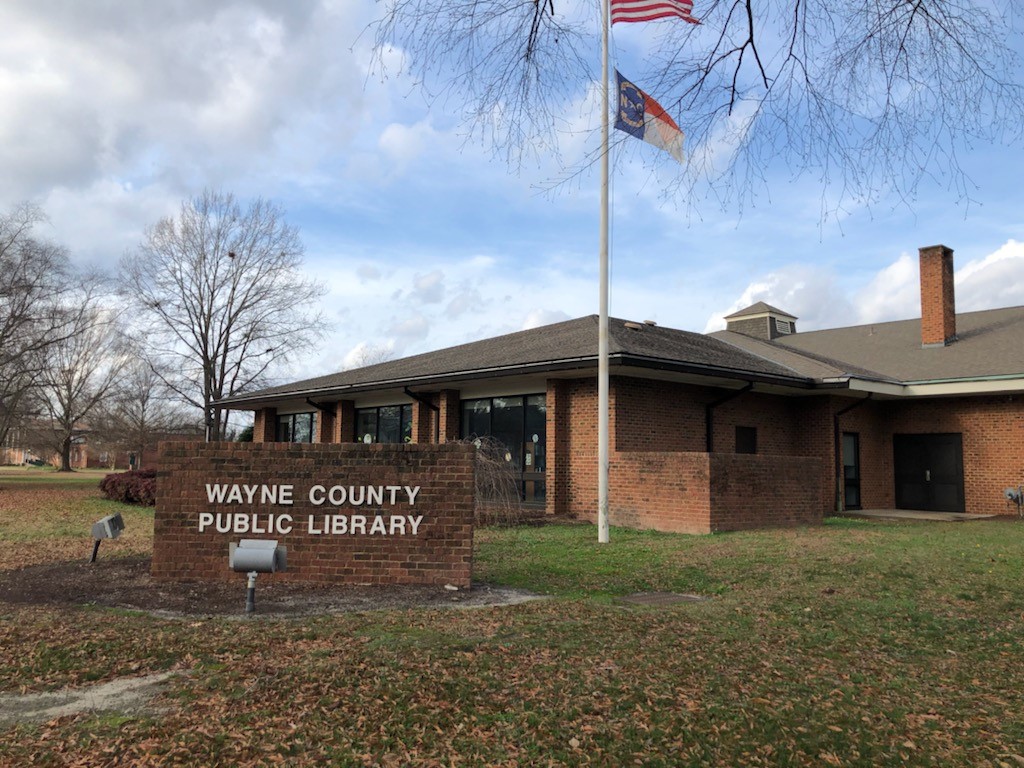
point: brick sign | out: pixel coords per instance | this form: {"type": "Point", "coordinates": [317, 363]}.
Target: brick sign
{"type": "Point", "coordinates": [347, 513]}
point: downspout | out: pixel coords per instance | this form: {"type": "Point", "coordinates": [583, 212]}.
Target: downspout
{"type": "Point", "coordinates": [837, 448]}
{"type": "Point", "coordinates": [435, 408]}
{"type": "Point", "coordinates": [319, 407]}
{"type": "Point", "coordinates": [709, 424]}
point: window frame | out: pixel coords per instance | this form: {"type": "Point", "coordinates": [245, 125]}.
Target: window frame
{"type": "Point", "coordinates": [404, 423]}
{"type": "Point", "coordinates": [290, 419]}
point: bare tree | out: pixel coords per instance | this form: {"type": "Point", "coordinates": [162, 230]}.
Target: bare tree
{"type": "Point", "coordinates": [368, 354]}
{"type": "Point", "coordinates": [140, 412]}
{"type": "Point", "coordinates": [221, 298]}
{"type": "Point", "coordinates": [34, 277]}
{"type": "Point", "coordinates": [870, 98]}
{"type": "Point", "coordinates": [81, 369]}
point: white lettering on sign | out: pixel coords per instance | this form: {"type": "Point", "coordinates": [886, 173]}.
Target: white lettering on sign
{"type": "Point", "coordinates": [336, 524]}
{"type": "Point", "coordinates": [319, 495]}
{"type": "Point", "coordinates": [316, 525]}
{"type": "Point", "coordinates": [362, 495]}
{"type": "Point", "coordinates": [224, 493]}
{"type": "Point", "coordinates": [239, 522]}
{"type": "Point", "coordinates": [356, 525]}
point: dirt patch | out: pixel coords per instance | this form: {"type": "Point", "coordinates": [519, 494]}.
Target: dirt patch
{"type": "Point", "coordinates": [126, 694]}
{"type": "Point", "coordinates": [126, 583]}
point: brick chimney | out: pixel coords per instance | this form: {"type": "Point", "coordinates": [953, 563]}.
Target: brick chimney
{"type": "Point", "coordinates": [938, 307]}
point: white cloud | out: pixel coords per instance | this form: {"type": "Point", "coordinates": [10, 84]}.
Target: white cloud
{"type": "Point", "coordinates": [997, 280]}
{"type": "Point", "coordinates": [892, 293]}
{"type": "Point", "coordinates": [407, 331]}
{"type": "Point", "coordinates": [163, 91]}
{"type": "Point", "coordinates": [428, 288]}
{"type": "Point", "coordinates": [367, 272]}
{"type": "Point", "coordinates": [541, 317]}
{"type": "Point", "coordinates": [468, 298]}
{"type": "Point", "coordinates": [403, 144]}
{"type": "Point", "coordinates": [808, 293]}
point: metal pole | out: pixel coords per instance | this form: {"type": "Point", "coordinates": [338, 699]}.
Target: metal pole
{"type": "Point", "coordinates": [250, 593]}
{"type": "Point", "coordinates": [602, 333]}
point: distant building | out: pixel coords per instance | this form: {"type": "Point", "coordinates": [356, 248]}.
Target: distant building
{"type": "Point", "coordinates": [751, 426]}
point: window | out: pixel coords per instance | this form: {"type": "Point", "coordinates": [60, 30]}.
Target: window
{"type": "Point", "coordinates": [784, 326]}
{"type": "Point", "coordinates": [519, 423]}
{"type": "Point", "coordinates": [746, 439]}
{"type": "Point", "coordinates": [296, 428]}
{"type": "Point", "coordinates": [386, 424]}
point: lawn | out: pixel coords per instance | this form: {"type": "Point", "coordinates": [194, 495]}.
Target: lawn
{"type": "Point", "coordinates": [856, 643]}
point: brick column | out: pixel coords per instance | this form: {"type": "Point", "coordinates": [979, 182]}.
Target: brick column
{"type": "Point", "coordinates": [424, 421]}
{"type": "Point", "coordinates": [324, 427]}
{"type": "Point", "coordinates": [344, 422]}
{"type": "Point", "coordinates": [556, 475]}
{"type": "Point", "coordinates": [448, 401]}
{"type": "Point", "coordinates": [264, 428]}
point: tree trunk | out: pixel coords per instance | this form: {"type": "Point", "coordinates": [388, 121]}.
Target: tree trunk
{"type": "Point", "coordinates": [65, 455]}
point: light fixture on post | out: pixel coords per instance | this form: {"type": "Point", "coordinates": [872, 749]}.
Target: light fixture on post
{"type": "Point", "coordinates": [253, 557]}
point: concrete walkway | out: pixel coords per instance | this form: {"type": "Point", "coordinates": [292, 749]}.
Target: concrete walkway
{"type": "Point", "coordinates": [910, 514]}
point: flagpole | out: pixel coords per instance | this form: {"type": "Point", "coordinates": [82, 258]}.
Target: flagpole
{"type": "Point", "coordinates": [602, 326]}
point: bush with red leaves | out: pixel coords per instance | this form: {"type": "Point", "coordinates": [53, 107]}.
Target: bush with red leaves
{"type": "Point", "coordinates": [135, 487]}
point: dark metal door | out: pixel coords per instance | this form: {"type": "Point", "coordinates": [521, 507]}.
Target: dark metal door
{"type": "Point", "coordinates": [929, 472]}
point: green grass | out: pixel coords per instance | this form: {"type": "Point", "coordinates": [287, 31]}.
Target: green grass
{"type": "Point", "coordinates": [20, 477]}
{"type": "Point", "coordinates": [855, 643]}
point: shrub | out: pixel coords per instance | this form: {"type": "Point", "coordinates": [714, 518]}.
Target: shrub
{"type": "Point", "coordinates": [496, 495]}
{"type": "Point", "coordinates": [135, 487]}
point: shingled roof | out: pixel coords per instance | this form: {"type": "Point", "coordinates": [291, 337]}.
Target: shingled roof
{"type": "Point", "coordinates": [989, 344]}
{"type": "Point", "coordinates": [560, 346]}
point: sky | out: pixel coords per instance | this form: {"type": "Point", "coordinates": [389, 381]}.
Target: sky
{"type": "Point", "coordinates": [115, 112]}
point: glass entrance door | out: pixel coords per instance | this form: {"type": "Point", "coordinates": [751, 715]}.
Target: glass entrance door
{"type": "Point", "coordinates": [519, 422]}
{"type": "Point", "coordinates": [851, 470]}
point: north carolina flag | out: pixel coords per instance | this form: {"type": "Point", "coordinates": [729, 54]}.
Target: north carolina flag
{"type": "Point", "coordinates": [648, 10]}
{"type": "Point", "coordinates": [643, 117]}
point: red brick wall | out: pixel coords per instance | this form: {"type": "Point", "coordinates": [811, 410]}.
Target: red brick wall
{"type": "Point", "coordinates": [702, 493]}
{"type": "Point", "coordinates": [448, 414]}
{"type": "Point", "coordinates": [758, 491]}
{"type": "Point", "coordinates": [871, 423]}
{"type": "Point", "coordinates": [424, 421]}
{"type": "Point", "coordinates": [580, 448]}
{"type": "Point", "coordinates": [441, 553]}
{"type": "Point", "coordinates": [325, 432]}
{"type": "Point", "coordinates": [658, 415]}
{"type": "Point", "coordinates": [344, 422]}
{"type": "Point", "coordinates": [660, 477]}
{"type": "Point", "coordinates": [992, 429]}
{"type": "Point", "coordinates": [264, 427]}
{"type": "Point", "coordinates": [557, 434]}
{"type": "Point", "coordinates": [660, 491]}
{"type": "Point", "coordinates": [993, 442]}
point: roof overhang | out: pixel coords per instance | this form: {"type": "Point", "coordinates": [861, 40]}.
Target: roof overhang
{"type": "Point", "coordinates": [587, 366]}
{"type": "Point", "coordinates": [1000, 385]}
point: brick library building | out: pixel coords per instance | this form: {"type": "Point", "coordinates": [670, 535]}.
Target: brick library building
{"type": "Point", "coordinates": [757, 425]}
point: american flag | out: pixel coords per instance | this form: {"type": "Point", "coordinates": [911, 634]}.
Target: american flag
{"type": "Point", "coordinates": [647, 10]}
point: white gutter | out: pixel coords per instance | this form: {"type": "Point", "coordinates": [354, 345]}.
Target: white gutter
{"type": "Point", "coordinates": [942, 388]}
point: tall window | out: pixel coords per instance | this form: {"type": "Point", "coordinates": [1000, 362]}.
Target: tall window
{"type": "Point", "coordinates": [296, 428]}
{"type": "Point", "coordinates": [851, 470]}
{"type": "Point", "coordinates": [519, 422]}
{"type": "Point", "coordinates": [386, 424]}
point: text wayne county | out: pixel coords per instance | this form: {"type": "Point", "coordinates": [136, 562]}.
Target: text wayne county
{"type": "Point", "coordinates": [336, 495]}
